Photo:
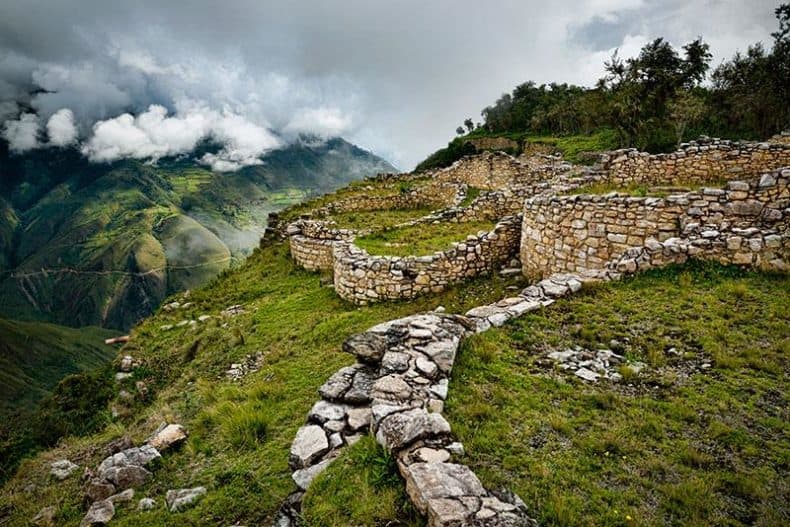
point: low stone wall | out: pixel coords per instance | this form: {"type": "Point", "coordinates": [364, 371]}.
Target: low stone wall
{"type": "Point", "coordinates": [698, 162]}
{"type": "Point", "coordinates": [575, 233]}
{"type": "Point", "coordinates": [362, 278]}
{"type": "Point", "coordinates": [312, 242]}
{"type": "Point", "coordinates": [432, 194]}
{"type": "Point", "coordinates": [492, 171]}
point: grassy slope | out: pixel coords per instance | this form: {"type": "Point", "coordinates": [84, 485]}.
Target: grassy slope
{"type": "Point", "coordinates": [709, 450]}
{"type": "Point", "coordinates": [35, 356]}
{"type": "Point", "coordinates": [239, 433]}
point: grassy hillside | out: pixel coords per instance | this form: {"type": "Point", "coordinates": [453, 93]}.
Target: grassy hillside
{"type": "Point", "coordinates": [87, 244]}
{"type": "Point", "coordinates": [240, 433]}
{"type": "Point", "coordinates": [35, 356]}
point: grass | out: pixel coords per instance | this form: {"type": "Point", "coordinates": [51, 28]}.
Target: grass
{"type": "Point", "coordinates": [472, 193]}
{"type": "Point", "coordinates": [362, 487]}
{"type": "Point", "coordinates": [420, 239]}
{"type": "Point", "coordinates": [240, 433]}
{"type": "Point", "coordinates": [706, 449]}
{"type": "Point", "coordinates": [378, 219]}
{"type": "Point", "coordinates": [643, 190]}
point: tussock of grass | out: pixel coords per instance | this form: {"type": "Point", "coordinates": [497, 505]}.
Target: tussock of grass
{"type": "Point", "coordinates": [361, 488]}
{"type": "Point", "coordinates": [420, 239]}
{"type": "Point", "coordinates": [710, 450]}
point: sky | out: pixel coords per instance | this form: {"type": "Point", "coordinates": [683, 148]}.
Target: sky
{"type": "Point", "coordinates": [149, 78]}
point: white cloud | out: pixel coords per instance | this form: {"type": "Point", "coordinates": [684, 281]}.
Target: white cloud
{"type": "Point", "coordinates": [153, 134]}
{"type": "Point", "coordinates": [22, 133]}
{"type": "Point", "coordinates": [61, 129]}
{"type": "Point", "coordinates": [323, 122]}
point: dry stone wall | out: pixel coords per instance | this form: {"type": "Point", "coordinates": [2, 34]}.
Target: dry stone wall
{"type": "Point", "coordinates": [362, 278]}
{"type": "Point", "coordinates": [698, 162]}
{"type": "Point", "coordinates": [574, 233]}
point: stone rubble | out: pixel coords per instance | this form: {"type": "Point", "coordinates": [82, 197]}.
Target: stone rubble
{"type": "Point", "coordinates": [250, 364]}
{"type": "Point", "coordinates": [180, 499]}
{"type": "Point", "coordinates": [62, 469]}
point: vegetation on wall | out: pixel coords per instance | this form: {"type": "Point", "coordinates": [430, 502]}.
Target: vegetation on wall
{"type": "Point", "coordinates": [653, 101]}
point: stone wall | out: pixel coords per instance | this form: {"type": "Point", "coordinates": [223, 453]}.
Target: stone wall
{"type": "Point", "coordinates": [698, 162]}
{"type": "Point", "coordinates": [362, 278]}
{"type": "Point", "coordinates": [312, 241]}
{"type": "Point", "coordinates": [491, 171]}
{"type": "Point", "coordinates": [431, 194]}
{"type": "Point", "coordinates": [575, 233]}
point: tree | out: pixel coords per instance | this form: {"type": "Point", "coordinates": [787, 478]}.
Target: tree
{"type": "Point", "coordinates": [470, 125]}
{"type": "Point", "coordinates": [459, 131]}
{"type": "Point", "coordinates": [686, 109]}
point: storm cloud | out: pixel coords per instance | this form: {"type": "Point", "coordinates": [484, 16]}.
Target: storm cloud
{"type": "Point", "coordinates": [146, 79]}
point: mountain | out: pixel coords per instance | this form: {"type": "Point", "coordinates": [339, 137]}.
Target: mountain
{"type": "Point", "coordinates": [103, 244]}
{"type": "Point", "coordinates": [34, 356]}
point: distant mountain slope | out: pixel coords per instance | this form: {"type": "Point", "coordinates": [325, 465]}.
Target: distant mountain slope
{"type": "Point", "coordinates": [34, 356]}
{"type": "Point", "coordinates": [103, 244]}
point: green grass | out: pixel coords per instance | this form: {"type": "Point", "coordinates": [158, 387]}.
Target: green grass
{"type": "Point", "coordinates": [710, 449]}
{"type": "Point", "coordinates": [472, 193]}
{"type": "Point", "coordinates": [378, 219]}
{"type": "Point", "coordinates": [362, 487]}
{"type": "Point", "coordinates": [240, 433]}
{"type": "Point", "coordinates": [642, 190]}
{"type": "Point", "coordinates": [420, 239]}
{"type": "Point", "coordinates": [572, 146]}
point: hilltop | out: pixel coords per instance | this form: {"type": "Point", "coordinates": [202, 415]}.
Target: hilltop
{"type": "Point", "coordinates": [479, 265]}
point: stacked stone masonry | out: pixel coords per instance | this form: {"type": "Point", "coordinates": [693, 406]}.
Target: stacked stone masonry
{"type": "Point", "coordinates": [698, 162]}
{"type": "Point", "coordinates": [362, 278]}
{"type": "Point", "coordinates": [746, 224]}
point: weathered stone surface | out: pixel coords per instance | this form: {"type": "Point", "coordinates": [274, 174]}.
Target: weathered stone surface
{"type": "Point", "coordinates": [98, 490]}
{"type": "Point", "coordinates": [323, 411]}
{"type": "Point", "coordinates": [303, 477]}
{"type": "Point", "coordinates": [359, 418]}
{"type": "Point", "coordinates": [62, 469]}
{"type": "Point", "coordinates": [442, 353]}
{"type": "Point", "coordinates": [169, 436]}
{"type": "Point", "coordinates": [367, 347]}
{"type": "Point", "coordinates": [310, 444]}
{"type": "Point", "coordinates": [99, 514]}
{"type": "Point", "coordinates": [426, 481]}
{"type": "Point", "coordinates": [399, 430]}
{"type": "Point", "coordinates": [180, 499]}
{"type": "Point", "coordinates": [146, 504]}
{"type": "Point", "coordinates": [391, 388]}
{"type": "Point", "coordinates": [126, 476]}
{"type": "Point", "coordinates": [122, 497]}
{"type": "Point", "coordinates": [140, 456]}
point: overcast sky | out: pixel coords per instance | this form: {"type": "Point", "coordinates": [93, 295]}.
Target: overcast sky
{"type": "Point", "coordinates": [396, 77]}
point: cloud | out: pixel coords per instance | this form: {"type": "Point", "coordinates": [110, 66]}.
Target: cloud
{"type": "Point", "coordinates": [323, 122]}
{"type": "Point", "coordinates": [153, 134]}
{"type": "Point", "coordinates": [395, 83]}
{"type": "Point", "coordinates": [22, 133]}
{"type": "Point", "coordinates": [61, 129]}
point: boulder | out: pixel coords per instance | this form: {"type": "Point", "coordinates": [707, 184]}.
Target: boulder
{"type": "Point", "coordinates": [180, 499]}
{"type": "Point", "coordinates": [399, 430]}
{"type": "Point", "coordinates": [427, 481]}
{"type": "Point", "coordinates": [168, 436]}
{"type": "Point", "coordinates": [122, 497]}
{"type": "Point", "coordinates": [310, 444]}
{"type": "Point", "coordinates": [99, 514]}
{"type": "Point", "coordinates": [62, 469]}
{"type": "Point", "coordinates": [146, 504]}
{"type": "Point", "coordinates": [367, 347]}
{"type": "Point", "coordinates": [98, 490]}
{"type": "Point", "coordinates": [126, 476]}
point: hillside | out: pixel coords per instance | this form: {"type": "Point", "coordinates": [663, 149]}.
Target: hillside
{"type": "Point", "coordinates": [489, 368]}
{"type": "Point", "coordinates": [35, 356]}
{"type": "Point", "coordinates": [87, 244]}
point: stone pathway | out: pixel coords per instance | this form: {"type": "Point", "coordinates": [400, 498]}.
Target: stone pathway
{"type": "Point", "coordinates": [396, 391]}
